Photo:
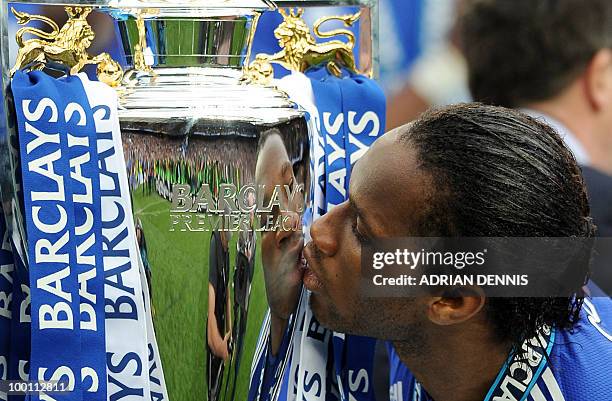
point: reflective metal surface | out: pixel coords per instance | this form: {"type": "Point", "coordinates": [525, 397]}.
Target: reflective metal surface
{"type": "Point", "coordinates": [206, 277]}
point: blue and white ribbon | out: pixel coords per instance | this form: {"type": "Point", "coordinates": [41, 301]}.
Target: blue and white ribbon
{"type": "Point", "coordinates": [126, 341]}
{"type": "Point", "coordinates": [330, 104]}
{"type": "Point", "coordinates": [85, 189]}
{"type": "Point", "coordinates": [352, 111]}
{"type": "Point", "coordinates": [49, 218]}
{"type": "Point", "coordinates": [364, 122]}
{"type": "Point", "coordinates": [90, 323]}
{"type": "Point", "coordinates": [7, 268]}
{"type": "Point", "coordinates": [352, 114]}
{"type": "Point", "coordinates": [524, 376]}
{"type": "Point", "coordinates": [522, 370]}
{"type": "Point", "coordinates": [311, 346]}
{"type": "Point", "coordinates": [355, 374]}
{"type": "Point", "coordinates": [157, 382]}
{"type": "Point", "coordinates": [21, 325]}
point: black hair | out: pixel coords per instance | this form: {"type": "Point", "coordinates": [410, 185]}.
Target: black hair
{"type": "Point", "coordinates": [500, 173]}
{"type": "Point", "coordinates": [525, 51]}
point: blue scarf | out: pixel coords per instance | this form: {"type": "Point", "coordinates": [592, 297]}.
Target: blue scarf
{"type": "Point", "coordinates": [49, 219]}
{"type": "Point", "coordinates": [60, 178]}
{"type": "Point", "coordinates": [85, 185]}
{"type": "Point", "coordinates": [352, 114]}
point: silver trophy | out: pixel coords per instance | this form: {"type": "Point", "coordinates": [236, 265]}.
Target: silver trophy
{"type": "Point", "coordinates": [218, 159]}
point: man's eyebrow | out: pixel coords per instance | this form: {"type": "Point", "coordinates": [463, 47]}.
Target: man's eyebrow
{"type": "Point", "coordinates": [359, 214]}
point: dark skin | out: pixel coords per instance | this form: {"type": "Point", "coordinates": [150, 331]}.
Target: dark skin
{"type": "Point", "coordinates": [281, 249]}
{"type": "Point", "coordinates": [446, 342]}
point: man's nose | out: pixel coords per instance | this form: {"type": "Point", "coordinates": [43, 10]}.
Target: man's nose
{"type": "Point", "coordinates": [323, 232]}
{"type": "Point", "coordinates": [290, 223]}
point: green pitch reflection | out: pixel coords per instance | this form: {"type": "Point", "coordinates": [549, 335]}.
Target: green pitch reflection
{"type": "Point", "coordinates": [179, 276]}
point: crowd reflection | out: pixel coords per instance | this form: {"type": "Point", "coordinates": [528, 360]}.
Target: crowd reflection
{"type": "Point", "coordinates": [155, 163]}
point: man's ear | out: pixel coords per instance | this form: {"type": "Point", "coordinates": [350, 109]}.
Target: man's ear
{"type": "Point", "coordinates": [599, 79]}
{"type": "Point", "coordinates": [456, 305]}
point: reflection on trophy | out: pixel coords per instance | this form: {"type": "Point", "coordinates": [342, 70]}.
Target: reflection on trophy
{"type": "Point", "coordinates": [281, 248]}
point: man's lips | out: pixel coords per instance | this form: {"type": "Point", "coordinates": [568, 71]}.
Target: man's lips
{"type": "Point", "coordinates": [310, 279]}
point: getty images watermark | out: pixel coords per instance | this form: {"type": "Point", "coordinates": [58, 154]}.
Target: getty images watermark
{"type": "Point", "coordinates": [503, 267]}
{"type": "Point", "coordinates": [230, 208]}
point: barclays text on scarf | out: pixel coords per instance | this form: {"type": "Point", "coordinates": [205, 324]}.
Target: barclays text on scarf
{"type": "Point", "coordinates": [233, 208]}
{"type": "Point", "coordinates": [501, 267]}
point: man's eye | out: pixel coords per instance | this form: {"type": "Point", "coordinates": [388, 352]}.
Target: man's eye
{"type": "Point", "coordinates": [360, 237]}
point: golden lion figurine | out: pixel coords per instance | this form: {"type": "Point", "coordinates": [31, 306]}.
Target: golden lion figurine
{"type": "Point", "coordinates": [66, 46]}
{"type": "Point", "coordinates": [300, 51]}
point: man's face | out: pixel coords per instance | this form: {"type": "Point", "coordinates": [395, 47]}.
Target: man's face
{"type": "Point", "coordinates": [282, 248]}
{"type": "Point", "coordinates": [388, 194]}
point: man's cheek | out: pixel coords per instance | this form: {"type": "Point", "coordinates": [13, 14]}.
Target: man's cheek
{"type": "Point", "coordinates": [353, 262]}
{"type": "Point", "coordinates": [268, 252]}
{"type": "Point", "coordinates": [348, 278]}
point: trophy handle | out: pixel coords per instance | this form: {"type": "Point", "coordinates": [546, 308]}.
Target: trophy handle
{"type": "Point", "coordinates": [300, 50]}
{"type": "Point", "coordinates": [66, 46]}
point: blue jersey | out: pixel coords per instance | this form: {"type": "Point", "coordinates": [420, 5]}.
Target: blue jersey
{"type": "Point", "coordinates": [579, 366]}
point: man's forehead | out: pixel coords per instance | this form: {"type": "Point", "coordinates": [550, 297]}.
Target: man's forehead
{"type": "Point", "coordinates": [378, 165]}
{"type": "Point", "coordinates": [273, 143]}
{"type": "Point", "coordinates": [388, 187]}
{"type": "Point", "coordinates": [270, 156]}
